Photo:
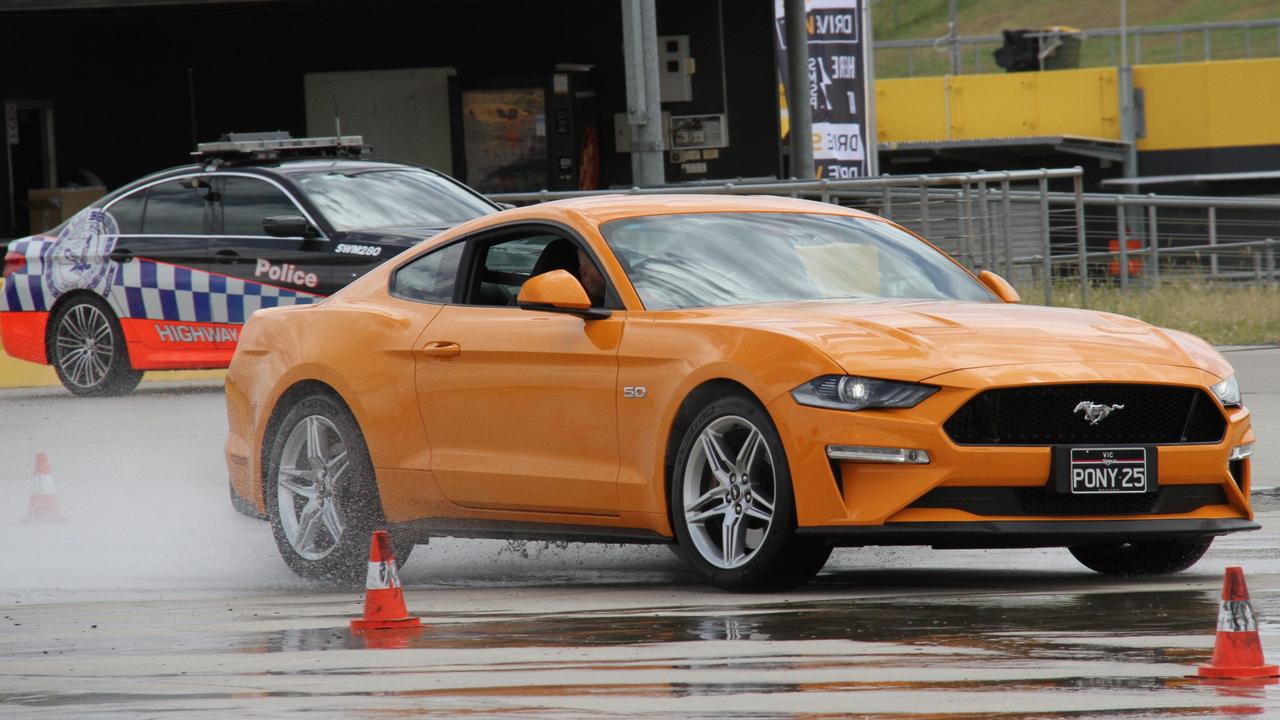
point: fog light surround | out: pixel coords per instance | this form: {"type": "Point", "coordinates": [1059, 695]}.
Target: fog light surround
{"type": "Point", "coordinates": [1240, 452]}
{"type": "Point", "coordinates": [872, 454]}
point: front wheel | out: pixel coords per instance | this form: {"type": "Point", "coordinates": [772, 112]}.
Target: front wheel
{"type": "Point", "coordinates": [1141, 558]}
{"type": "Point", "coordinates": [732, 503]}
{"type": "Point", "coordinates": [321, 493]}
{"type": "Point", "coordinates": [87, 349]}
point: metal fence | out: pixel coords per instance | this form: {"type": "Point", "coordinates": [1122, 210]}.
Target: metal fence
{"type": "Point", "coordinates": [1040, 230]}
{"type": "Point", "coordinates": [1231, 40]}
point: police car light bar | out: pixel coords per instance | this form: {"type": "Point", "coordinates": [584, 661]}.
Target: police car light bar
{"type": "Point", "coordinates": [270, 146]}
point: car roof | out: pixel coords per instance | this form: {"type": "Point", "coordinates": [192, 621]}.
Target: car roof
{"type": "Point", "coordinates": [606, 208]}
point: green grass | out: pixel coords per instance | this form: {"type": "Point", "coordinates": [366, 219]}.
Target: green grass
{"type": "Point", "coordinates": [914, 19]}
{"type": "Point", "coordinates": [1222, 314]}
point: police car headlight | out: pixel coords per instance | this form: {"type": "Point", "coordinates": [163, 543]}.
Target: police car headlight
{"type": "Point", "coordinates": [850, 392]}
{"type": "Point", "coordinates": [1227, 392]}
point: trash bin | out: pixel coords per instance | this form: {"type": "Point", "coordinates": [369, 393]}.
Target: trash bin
{"type": "Point", "coordinates": [1060, 48]}
{"type": "Point", "coordinates": [1052, 48]}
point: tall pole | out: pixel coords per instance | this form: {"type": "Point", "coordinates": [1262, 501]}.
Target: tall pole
{"type": "Point", "coordinates": [869, 92]}
{"type": "Point", "coordinates": [644, 102]}
{"type": "Point", "coordinates": [954, 36]}
{"type": "Point", "coordinates": [799, 112]}
{"type": "Point", "coordinates": [1124, 85]}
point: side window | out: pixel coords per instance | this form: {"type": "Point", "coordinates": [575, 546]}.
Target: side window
{"type": "Point", "coordinates": [175, 208]}
{"type": "Point", "coordinates": [431, 277]}
{"type": "Point", "coordinates": [505, 265]}
{"type": "Point", "coordinates": [127, 212]}
{"type": "Point", "coordinates": [246, 202]}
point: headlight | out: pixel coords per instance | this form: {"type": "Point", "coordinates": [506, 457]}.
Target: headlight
{"type": "Point", "coordinates": [850, 392]}
{"type": "Point", "coordinates": [1228, 392]}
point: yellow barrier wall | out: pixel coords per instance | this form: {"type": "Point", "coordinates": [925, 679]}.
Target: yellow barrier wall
{"type": "Point", "coordinates": [1188, 105]}
{"type": "Point", "coordinates": [971, 107]}
{"type": "Point", "coordinates": [1210, 104]}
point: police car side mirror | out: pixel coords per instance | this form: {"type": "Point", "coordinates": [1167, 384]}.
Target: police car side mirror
{"type": "Point", "coordinates": [286, 226]}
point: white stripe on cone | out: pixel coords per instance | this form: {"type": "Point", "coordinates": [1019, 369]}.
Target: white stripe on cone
{"type": "Point", "coordinates": [1236, 616]}
{"type": "Point", "coordinates": [382, 576]}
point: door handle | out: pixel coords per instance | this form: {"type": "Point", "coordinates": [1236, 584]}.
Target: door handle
{"type": "Point", "coordinates": [441, 348]}
{"type": "Point", "coordinates": [225, 256]}
{"type": "Point", "coordinates": [121, 255]}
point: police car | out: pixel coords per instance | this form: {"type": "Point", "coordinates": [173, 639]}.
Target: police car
{"type": "Point", "coordinates": [161, 274]}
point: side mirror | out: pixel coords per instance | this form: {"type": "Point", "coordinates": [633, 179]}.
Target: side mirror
{"type": "Point", "coordinates": [999, 286]}
{"type": "Point", "coordinates": [284, 226]}
{"type": "Point", "coordinates": [558, 291]}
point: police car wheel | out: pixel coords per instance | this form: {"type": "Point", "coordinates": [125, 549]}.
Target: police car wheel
{"type": "Point", "coordinates": [86, 347]}
{"type": "Point", "coordinates": [1142, 558]}
{"type": "Point", "coordinates": [321, 493]}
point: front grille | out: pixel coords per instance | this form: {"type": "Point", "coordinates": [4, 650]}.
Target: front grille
{"type": "Point", "coordinates": [1046, 415]}
{"type": "Point", "coordinates": [1018, 501]}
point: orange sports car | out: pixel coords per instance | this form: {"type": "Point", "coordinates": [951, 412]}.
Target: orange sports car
{"type": "Point", "coordinates": [752, 379]}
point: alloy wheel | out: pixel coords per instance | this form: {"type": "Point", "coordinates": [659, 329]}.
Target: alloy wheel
{"type": "Point", "coordinates": [85, 346]}
{"type": "Point", "coordinates": [728, 492]}
{"type": "Point", "coordinates": [313, 467]}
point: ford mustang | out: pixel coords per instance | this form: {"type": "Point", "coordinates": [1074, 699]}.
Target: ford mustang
{"type": "Point", "coordinates": [752, 380]}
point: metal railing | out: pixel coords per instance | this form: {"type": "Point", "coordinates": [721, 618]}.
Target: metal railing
{"type": "Point", "coordinates": [1039, 228]}
{"type": "Point", "coordinates": [1149, 43]}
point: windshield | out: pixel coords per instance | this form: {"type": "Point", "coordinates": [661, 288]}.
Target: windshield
{"type": "Point", "coordinates": [394, 197]}
{"type": "Point", "coordinates": [708, 259]}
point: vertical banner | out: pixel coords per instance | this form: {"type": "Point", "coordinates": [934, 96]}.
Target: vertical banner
{"type": "Point", "coordinates": [837, 85]}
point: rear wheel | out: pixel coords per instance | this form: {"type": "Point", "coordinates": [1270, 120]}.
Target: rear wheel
{"type": "Point", "coordinates": [1141, 558]}
{"type": "Point", "coordinates": [732, 503]}
{"type": "Point", "coordinates": [321, 493]}
{"type": "Point", "coordinates": [87, 349]}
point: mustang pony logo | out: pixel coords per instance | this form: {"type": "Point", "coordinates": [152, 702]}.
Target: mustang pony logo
{"type": "Point", "coordinates": [1095, 412]}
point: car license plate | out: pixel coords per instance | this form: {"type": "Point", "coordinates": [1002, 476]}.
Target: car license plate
{"type": "Point", "coordinates": [1105, 470]}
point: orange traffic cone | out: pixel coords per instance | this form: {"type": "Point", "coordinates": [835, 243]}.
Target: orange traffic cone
{"type": "Point", "coordinates": [1237, 652]}
{"type": "Point", "coordinates": [383, 599]}
{"type": "Point", "coordinates": [43, 505]}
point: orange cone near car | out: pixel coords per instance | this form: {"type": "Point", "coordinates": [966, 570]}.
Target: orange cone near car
{"type": "Point", "coordinates": [43, 504]}
{"type": "Point", "coordinates": [383, 599]}
{"type": "Point", "coordinates": [1237, 652]}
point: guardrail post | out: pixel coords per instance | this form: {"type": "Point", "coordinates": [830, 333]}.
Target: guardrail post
{"type": "Point", "coordinates": [826, 191]}
{"type": "Point", "coordinates": [1205, 35]}
{"type": "Point", "coordinates": [984, 228]}
{"type": "Point", "coordinates": [1153, 267]}
{"type": "Point", "coordinates": [886, 202]}
{"type": "Point", "coordinates": [1082, 245]}
{"type": "Point", "coordinates": [925, 227]}
{"type": "Point", "coordinates": [1257, 267]}
{"type": "Point", "coordinates": [1006, 210]}
{"type": "Point", "coordinates": [966, 221]}
{"type": "Point", "coordinates": [1122, 245]}
{"type": "Point", "coordinates": [1213, 240]}
{"type": "Point", "coordinates": [1271, 262]}
{"type": "Point", "coordinates": [1046, 269]}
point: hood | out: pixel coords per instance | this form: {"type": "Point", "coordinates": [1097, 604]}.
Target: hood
{"type": "Point", "coordinates": [404, 236]}
{"type": "Point", "coordinates": [915, 340]}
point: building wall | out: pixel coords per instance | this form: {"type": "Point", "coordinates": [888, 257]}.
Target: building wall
{"type": "Point", "coordinates": [123, 80]}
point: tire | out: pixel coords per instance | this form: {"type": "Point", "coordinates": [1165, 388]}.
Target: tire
{"type": "Point", "coordinates": [86, 347]}
{"type": "Point", "coordinates": [321, 493]}
{"type": "Point", "coordinates": [1141, 558]}
{"type": "Point", "coordinates": [715, 503]}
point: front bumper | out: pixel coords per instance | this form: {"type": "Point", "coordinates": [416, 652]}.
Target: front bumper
{"type": "Point", "coordinates": [867, 497]}
{"type": "Point", "coordinates": [1026, 533]}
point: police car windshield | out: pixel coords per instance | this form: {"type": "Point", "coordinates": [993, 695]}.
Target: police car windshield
{"type": "Point", "coordinates": [394, 197]}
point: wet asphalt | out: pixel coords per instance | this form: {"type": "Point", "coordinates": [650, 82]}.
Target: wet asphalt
{"type": "Point", "coordinates": [154, 599]}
